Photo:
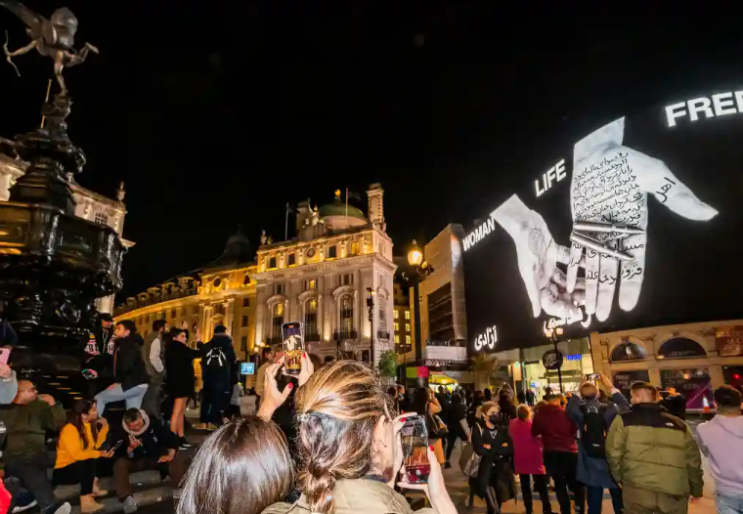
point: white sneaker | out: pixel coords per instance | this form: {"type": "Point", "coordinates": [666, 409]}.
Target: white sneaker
{"type": "Point", "coordinates": [65, 508]}
{"type": "Point", "coordinates": [24, 508]}
{"type": "Point", "coordinates": [130, 505]}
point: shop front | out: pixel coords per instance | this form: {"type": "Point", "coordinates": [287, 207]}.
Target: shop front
{"type": "Point", "coordinates": [693, 359]}
{"type": "Point", "coordinates": [529, 372]}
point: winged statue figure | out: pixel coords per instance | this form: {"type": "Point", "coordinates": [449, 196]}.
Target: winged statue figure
{"type": "Point", "coordinates": [53, 37]}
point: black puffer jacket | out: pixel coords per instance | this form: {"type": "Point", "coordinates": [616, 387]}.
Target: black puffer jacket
{"type": "Point", "coordinates": [155, 438]}
{"type": "Point", "coordinates": [129, 369]}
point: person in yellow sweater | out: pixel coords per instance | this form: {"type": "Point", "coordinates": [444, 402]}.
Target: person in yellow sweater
{"type": "Point", "coordinates": [79, 449]}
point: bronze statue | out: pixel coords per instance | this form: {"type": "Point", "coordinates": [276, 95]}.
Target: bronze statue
{"type": "Point", "coordinates": [54, 38]}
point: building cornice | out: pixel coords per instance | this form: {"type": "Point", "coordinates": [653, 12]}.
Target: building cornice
{"type": "Point", "coordinates": [305, 269]}
{"type": "Point", "coordinates": [114, 204]}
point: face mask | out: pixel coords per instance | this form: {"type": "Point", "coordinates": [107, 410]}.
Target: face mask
{"type": "Point", "coordinates": [493, 418]}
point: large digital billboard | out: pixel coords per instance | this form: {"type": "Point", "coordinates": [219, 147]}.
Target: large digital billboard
{"type": "Point", "coordinates": [635, 222]}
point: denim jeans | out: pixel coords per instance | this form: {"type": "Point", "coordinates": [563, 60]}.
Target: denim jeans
{"type": "Point", "coordinates": [596, 497]}
{"type": "Point", "coordinates": [729, 504]}
{"type": "Point", "coordinates": [114, 393]}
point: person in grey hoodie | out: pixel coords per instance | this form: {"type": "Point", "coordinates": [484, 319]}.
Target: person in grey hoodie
{"type": "Point", "coordinates": [721, 440]}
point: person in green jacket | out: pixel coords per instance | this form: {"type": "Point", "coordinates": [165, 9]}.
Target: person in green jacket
{"type": "Point", "coordinates": [27, 420]}
{"type": "Point", "coordinates": [654, 457]}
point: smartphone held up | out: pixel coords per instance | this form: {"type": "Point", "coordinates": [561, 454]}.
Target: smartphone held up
{"type": "Point", "coordinates": [414, 438]}
{"type": "Point", "coordinates": [292, 346]}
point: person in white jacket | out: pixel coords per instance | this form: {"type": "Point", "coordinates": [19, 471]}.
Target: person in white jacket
{"type": "Point", "coordinates": [721, 440]}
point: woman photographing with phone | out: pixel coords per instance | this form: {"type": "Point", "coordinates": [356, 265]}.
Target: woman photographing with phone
{"type": "Point", "coordinates": [78, 452]}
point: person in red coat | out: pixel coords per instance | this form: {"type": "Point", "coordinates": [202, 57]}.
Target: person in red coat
{"type": "Point", "coordinates": [528, 461]}
{"type": "Point", "coordinates": [559, 436]}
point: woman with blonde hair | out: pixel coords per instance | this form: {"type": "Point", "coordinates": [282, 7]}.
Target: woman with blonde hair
{"type": "Point", "coordinates": [350, 450]}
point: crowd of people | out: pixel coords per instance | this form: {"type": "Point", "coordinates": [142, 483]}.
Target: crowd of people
{"type": "Point", "coordinates": [327, 441]}
{"type": "Point", "coordinates": [155, 379]}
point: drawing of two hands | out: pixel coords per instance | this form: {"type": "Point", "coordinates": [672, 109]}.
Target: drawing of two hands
{"type": "Point", "coordinates": [610, 185]}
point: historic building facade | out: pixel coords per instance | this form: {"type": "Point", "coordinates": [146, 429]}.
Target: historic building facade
{"type": "Point", "coordinates": [90, 205]}
{"type": "Point", "coordinates": [324, 277]}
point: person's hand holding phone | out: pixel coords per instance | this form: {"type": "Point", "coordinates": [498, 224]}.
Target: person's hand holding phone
{"type": "Point", "coordinates": [273, 398]}
{"type": "Point", "coordinates": [307, 369]}
{"type": "Point", "coordinates": [134, 443]}
{"type": "Point", "coordinates": [435, 489]}
{"type": "Point", "coordinates": [108, 454]}
{"type": "Point", "coordinates": [5, 370]}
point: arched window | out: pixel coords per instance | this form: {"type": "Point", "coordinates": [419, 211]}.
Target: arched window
{"type": "Point", "coordinates": [346, 327]}
{"type": "Point", "coordinates": [277, 321]}
{"type": "Point", "coordinates": [310, 320]}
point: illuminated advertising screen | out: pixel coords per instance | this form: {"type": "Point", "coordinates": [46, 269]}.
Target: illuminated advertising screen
{"type": "Point", "coordinates": [632, 222]}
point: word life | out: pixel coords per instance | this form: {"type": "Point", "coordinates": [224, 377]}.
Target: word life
{"type": "Point", "coordinates": [553, 175]}
{"type": "Point", "coordinates": [719, 105]}
{"type": "Point", "coordinates": [478, 234]}
{"type": "Point", "coordinates": [488, 338]}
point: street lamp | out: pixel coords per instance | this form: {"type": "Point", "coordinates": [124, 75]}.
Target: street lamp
{"type": "Point", "coordinates": [422, 270]}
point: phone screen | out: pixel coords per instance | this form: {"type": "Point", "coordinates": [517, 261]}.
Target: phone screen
{"type": "Point", "coordinates": [293, 346]}
{"type": "Point", "coordinates": [4, 355]}
{"type": "Point", "coordinates": [414, 438]}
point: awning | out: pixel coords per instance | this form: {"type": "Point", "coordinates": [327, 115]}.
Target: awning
{"type": "Point", "coordinates": [450, 377]}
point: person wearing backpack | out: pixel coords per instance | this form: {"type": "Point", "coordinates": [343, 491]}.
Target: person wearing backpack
{"type": "Point", "coordinates": [218, 364]}
{"type": "Point", "coordinates": [593, 420]}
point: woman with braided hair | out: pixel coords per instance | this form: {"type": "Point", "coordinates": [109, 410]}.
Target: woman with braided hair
{"type": "Point", "coordinates": [350, 449]}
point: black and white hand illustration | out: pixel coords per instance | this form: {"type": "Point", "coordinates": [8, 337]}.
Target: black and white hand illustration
{"type": "Point", "coordinates": [609, 191]}
{"type": "Point", "coordinates": [538, 255]}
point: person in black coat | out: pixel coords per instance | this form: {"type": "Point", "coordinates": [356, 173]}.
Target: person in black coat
{"type": "Point", "coordinates": [180, 380]}
{"type": "Point", "coordinates": [219, 370]}
{"type": "Point", "coordinates": [142, 443]}
{"type": "Point", "coordinates": [490, 440]}
{"type": "Point", "coordinates": [457, 423]}
{"type": "Point", "coordinates": [130, 375]}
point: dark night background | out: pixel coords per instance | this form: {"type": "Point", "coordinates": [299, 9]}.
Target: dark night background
{"type": "Point", "coordinates": [217, 113]}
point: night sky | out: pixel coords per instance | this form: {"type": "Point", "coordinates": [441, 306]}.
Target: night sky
{"type": "Point", "coordinates": [217, 113]}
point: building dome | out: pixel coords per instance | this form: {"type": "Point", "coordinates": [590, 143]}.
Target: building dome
{"type": "Point", "coordinates": [236, 251]}
{"type": "Point", "coordinates": [338, 208]}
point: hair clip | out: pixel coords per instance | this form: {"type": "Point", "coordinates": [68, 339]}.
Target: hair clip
{"type": "Point", "coordinates": [303, 417]}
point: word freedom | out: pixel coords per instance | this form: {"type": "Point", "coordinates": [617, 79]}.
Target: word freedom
{"type": "Point", "coordinates": [478, 234]}
{"type": "Point", "coordinates": [487, 338]}
{"type": "Point", "coordinates": [718, 105]}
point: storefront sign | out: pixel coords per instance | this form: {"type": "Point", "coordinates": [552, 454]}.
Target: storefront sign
{"type": "Point", "coordinates": [624, 379]}
{"type": "Point", "coordinates": [693, 384]}
{"type": "Point", "coordinates": [729, 341]}
{"type": "Point", "coordinates": [552, 359]}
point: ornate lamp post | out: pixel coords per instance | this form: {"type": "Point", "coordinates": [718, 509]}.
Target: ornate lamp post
{"type": "Point", "coordinates": [422, 270]}
{"type": "Point", "coordinates": [554, 333]}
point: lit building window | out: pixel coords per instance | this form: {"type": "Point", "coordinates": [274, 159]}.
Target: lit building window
{"type": "Point", "coordinates": [101, 218]}
{"type": "Point", "coordinates": [278, 319]}
{"type": "Point", "coordinates": [309, 285]}
{"type": "Point", "coordinates": [407, 327]}
{"type": "Point", "coordinates": [395, 314]}
{"type": "Point", "coordinates": [397, 327]}
{"type": "Point", "coordinates": [407, 339]}
{"type": "Point", "coordinates": [346, 316]}
{"type": "Point", "coordinates": [355, 248]}
{"type": "Point", "coordinates": [397, 339]}
{"type": "Point", "coordinates": [407, 314]}
{"type": "Point", "coordinates": [310, 317]}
